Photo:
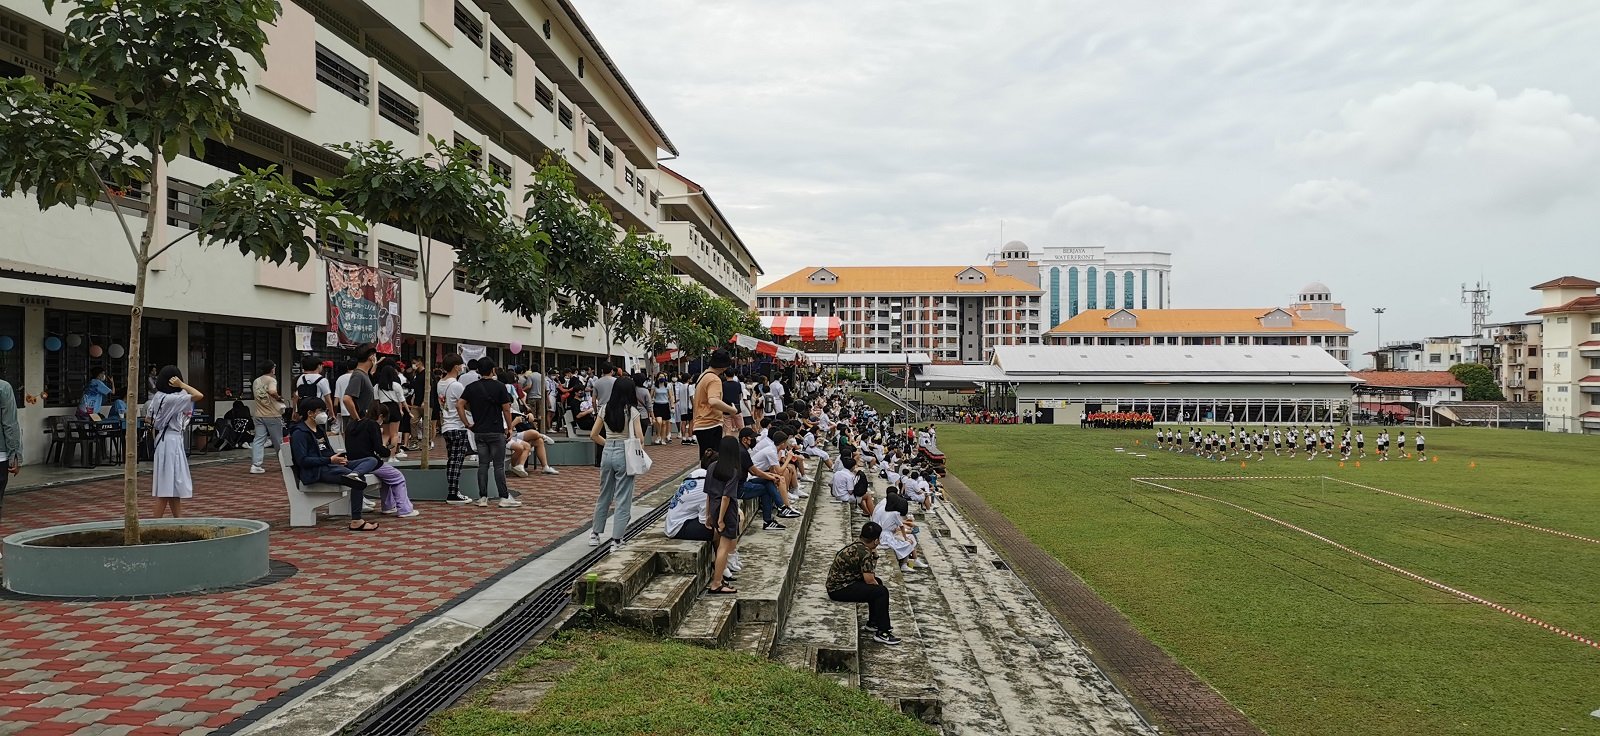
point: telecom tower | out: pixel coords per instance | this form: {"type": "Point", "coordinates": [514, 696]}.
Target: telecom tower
{"type": "Point", "coordinates": [1477, 300]}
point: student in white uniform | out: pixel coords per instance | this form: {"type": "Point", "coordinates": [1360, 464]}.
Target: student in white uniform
{"type": "Point", "coordinates": [897, 530]}
{"type": "Point", "coordinates": [844, 481]}
{"type": "Point", "coordinates": [1422, 451]}
{"type": "Point", "coordinates": [687, 508]}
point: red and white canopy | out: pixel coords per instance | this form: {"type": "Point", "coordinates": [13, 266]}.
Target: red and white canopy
{"type": "Point", "coordinates": [781, 352]}
{"type": "Point", "coordinates": [667, 356]}
{"type": "Point", "coordinates": [804, 328]}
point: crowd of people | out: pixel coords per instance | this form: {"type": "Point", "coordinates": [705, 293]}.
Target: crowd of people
{"type": "Point", "coordinates": [1325, 441]}
{"type": "Point", "coordinates": [1117, 420]}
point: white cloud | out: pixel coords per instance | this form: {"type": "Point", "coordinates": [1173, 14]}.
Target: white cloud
{"type": "Point", "coordinates": [1115, 223]}
{"type": "Point", "coordinates": [1530, 148]}
{"type": "Point", "coordinates": [1324, 197]}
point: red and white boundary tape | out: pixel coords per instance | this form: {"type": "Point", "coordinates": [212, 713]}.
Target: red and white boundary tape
{"type": "Point", "coordinates": [1588, 641]}
{"type": "Point", "coordinates": [1470, 512]}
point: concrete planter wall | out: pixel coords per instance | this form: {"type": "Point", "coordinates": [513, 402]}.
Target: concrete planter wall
{"type": "Point", "coordinates": [431, 484]}
{"type": "Point", "coordinates": [236, 558]}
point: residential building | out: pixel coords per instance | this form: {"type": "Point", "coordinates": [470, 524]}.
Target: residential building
{"type": "Point", "coordinates": [1253, 384]}
{"type": "Point", "coordinates": [704, 246]}
{"type": "Point", "coordinates": [522, 80]}
{"type": "Point", "coordinates": [1517, 362]}
{"type": "Point", "coordinates": [1399, 356]}
{"type": "Point", "coordinates": [1078, 278]}
{"type": "Point", "coordinates": [954, 313]}
{"type": "Point", "coordinates": [1314, 320]}
{"type": "Point", "coordinates": [1434, 353]}
{"type": "Point", "coordinates": [1570, 350]}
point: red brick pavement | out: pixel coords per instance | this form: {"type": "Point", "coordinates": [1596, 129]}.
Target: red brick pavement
{"type": "Point", "coordinates": [190, 665]}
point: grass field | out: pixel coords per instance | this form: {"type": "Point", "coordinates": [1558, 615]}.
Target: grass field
{"type": "Point", "coordinates": [1307, 638]}
{"type": "Point", "coordinates": [616, 682]}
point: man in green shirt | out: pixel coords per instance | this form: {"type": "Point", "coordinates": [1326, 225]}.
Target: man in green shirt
{"type": "Point", "coordinates": [851, 580]}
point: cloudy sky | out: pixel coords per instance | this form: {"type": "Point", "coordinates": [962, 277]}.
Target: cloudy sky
{"type": "Point", "coordinates": [1391, 150]}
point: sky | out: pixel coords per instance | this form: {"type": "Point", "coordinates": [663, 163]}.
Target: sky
{"type": "Point", "coordinates": [1393, 151]}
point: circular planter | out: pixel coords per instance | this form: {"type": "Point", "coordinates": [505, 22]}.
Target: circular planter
{"type": "Point", "coordinates": [238, 555]}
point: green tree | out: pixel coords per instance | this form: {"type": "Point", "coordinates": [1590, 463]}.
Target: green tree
{"type": "Point", "coordinates": [1480, 382]}
{"type": "Point", "coordinates": [445, 195]}
{"type": "Point", "coordinates": [151, 80]}
{"type": "Point", "coordinates": [619, 289]}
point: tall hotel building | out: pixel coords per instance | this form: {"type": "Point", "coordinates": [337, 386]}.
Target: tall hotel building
{"type": "Point", "coordinates": [520, 79]}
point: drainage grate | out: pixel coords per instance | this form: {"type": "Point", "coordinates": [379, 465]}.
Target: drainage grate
{"type": "Point", "coordinates": [1001, 565]}
{"type": "Point", "coordinates": [971, 549]}
{"type": "Point", "coordinates": [943, 533]}
{"type": "Point", "coordinates": [443, 686]}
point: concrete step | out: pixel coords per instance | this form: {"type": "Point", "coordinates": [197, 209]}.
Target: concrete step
{"type": "Point", "coordinates": [618, 578]}
{"type": "Point", "coordinates": [771, 566]}
{"type": "Point", "coordinates": [661, 605]}
{"type": "Point", "coordinates": [900, 675]}
{"type": "Point", "coordinates": [821, 635]}
{"type": "Point", "coordinates": [709, 622]}
{"type": "Point", "coordinates": [755, 637]}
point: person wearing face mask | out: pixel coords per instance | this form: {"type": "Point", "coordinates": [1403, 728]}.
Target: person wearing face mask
{"type": "Point", "coordinates": [316, 462]}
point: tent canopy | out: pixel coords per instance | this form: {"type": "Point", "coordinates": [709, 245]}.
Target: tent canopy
{"type": "Point", "coordinates": [814, 329]}
{"type": "Point", "coordinates": [781, 352]}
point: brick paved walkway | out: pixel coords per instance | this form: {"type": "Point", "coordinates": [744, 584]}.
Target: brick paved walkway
{"type": "Point", "coordinates": [1166, 690]}
{"type": "Point", "coordinates": [193, 664]}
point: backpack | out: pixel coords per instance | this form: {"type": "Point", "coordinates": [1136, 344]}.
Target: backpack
{"type": "Point", "coordinates": [303, 390]}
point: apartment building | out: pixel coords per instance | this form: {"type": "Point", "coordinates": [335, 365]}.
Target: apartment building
{"type": "Point", "coordinates": [953, 313]}
{"type": "Point", "coordinates": [522, 80]}
{"type": "Point", "coordinates": [1314, 320]}
{"type": "Point", "coordinates": [704, 246]}
{"type": "Point", "coordinates": [1517, 362]}
{"type": "Point", "coordinates": [1570, 350]}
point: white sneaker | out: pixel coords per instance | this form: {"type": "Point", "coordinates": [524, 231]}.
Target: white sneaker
{"type": "Point", "coordinates": [507, 503]}
{"type": "Point", "coordinates": [906, 567]}
{"type": "Point", "coordinates": [804, 494]}
{"type": "Point", "coordinates": [521, 471]}
{"type": "Point", "coordinates": [399, 454]}
{"type": "Point", "coordinates": [594, 539]}
{"type": "Point", "coordinates": [369, 505]}
{"type": "Point", "coordinates": [481, 503]}
{"type": "Point", "coordinates": [551, 471]}
{"type": "Point", "coordinates": [257, 470]}
{"type": "Point", "coordinates": [412, 514]}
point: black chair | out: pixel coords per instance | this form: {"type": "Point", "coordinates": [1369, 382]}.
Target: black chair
{"type": "Point", "coordinates": [58, 437]}
{"type": "Point", "coordinates": [81, 448]}
{"type": "Point", "coordinates": [111, 446]}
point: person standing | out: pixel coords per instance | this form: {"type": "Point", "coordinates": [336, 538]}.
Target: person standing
{"type": "Point", "coordinates": [356, 397]}
{"type": "Point", "coordinates": [453, 427]}
{"type": "Point", "coordinates": [266, 413]}
{"type": "Point", "coordinates": [776, 391]}
{"type": "Point", "coordinates": [600, 390]}
{"type": "Point", "coordinates": [683, 409]}
{"type": "Point", "coordinates": [732, 394]}
{"type": "Point", "coordinates": [489, 419]}
{"type": "Point", "coordinates": [722, 484]}
{"type": "Point", "coordinates": [661, 410]}
{"type": "Point", "coordinates": [709, 408]}
{"type": "Point", "coordinates": [389, 389]}
{"type": "Point", "coordinates": [10, 438]}
{"type": "Point", "coordinates": [170, 410]}
{"type": "Point", "coordinates": [619, 420]}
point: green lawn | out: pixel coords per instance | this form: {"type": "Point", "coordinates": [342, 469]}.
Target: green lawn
{"type": "Point", "coordinates": [1306, 638]}
{"type": "Point", "coordinates": [619, 682]}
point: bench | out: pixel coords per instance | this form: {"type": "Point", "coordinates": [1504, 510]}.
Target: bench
{"type": "Point", "coordinates": [304, 500]}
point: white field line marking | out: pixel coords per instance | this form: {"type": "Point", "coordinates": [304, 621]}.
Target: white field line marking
{"type": "Point", "coordinates": [1392, 568]}
{"type": "Point", "coordinates": [1470, 512]}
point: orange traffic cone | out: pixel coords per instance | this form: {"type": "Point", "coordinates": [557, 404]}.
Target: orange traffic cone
{"type": "Point", "coordinates": [1241, 463]}
{"type": "Point", "coordinates": [1341, 463]}
{"type": "Point", "coordinates": [1436, 458]}
{"type": "Point", "coordinates": [1472, 465]}
{"type": "Point", "coordinates": [1358, 463]}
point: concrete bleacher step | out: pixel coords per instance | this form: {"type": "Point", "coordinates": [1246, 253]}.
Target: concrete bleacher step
{"type": "Point", "coordinates": [820, 634]}
{"type": "Point", "coordinates": [755, 637]}
{"type": "Point", "coordinates": [661, 604]}
{"type": "Point", "coordinates": [900, 675]}
{"type": "Point", "coordinates": [708, 623]}
{"type": "Point", "coordinates": [618, 578]}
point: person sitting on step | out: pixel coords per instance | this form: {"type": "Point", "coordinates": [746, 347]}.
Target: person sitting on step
{"type": "Point", "coordinates": [851, 580]}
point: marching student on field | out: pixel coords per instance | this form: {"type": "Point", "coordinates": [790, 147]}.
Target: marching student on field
{"type": "Point", "coordinates": [1422, 453]}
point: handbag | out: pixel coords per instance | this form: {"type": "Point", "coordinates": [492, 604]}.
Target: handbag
{"type": "Point", "coordinates": [638, 462]}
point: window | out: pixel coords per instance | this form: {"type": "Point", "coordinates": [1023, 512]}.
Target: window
{"type": "Point", "coordinates": [610, 158]}
{"type": "Point", "coordinates": [1561, 353]}
{"type": "Point", "coordinates": [1094, 302]}
{"type": "Point", "coordinates": [594, 142]}
{"type": "Point", "coordinates": [1561, 389]}
{"type": "Point", "coordinates": [396, 109]}
{"type": "Point", "coordinates": [1434, 357]}
{"type": "Point", "coordinates": [565, 116]}
{"type": "Point", "coordinates": [500, 169]}
{"type": "Point", "coordinates": [461, 283]}
{"type": "Point", "coordinates": [397, 260]}
{"type": "Point", "coordinates": [580, 67]}
{"type": "Point", "coordinates": [1111, 290]}
{"type": "Point", "coordinates": [468, 24]}
{"type": "Point", "coordinates": [68, 369]}
{"type": "Point", "coordinates": [627, 175]}
{"type": "Point", "coordinates": [1561, 320]}
{"type": "Point", "coordinates": [11, 329]}
{"type": "Point", "coordinates": [655, 198]}
{"type": "Point", "coordinates": [183, 204]}
{"type": "Point", "coordinates": [341, 75]}
{"type": "Point", "coordinates": [474, 152]}
{"type": "Point", "coordinates": [638, 185]}
{"type": "Point", "coordinates": [1594, 328]}
{"type": "Point", "coordinates": [1144, 290]}
{"type": "Point", "coordinates": [499, 55]}
{"type": "Point", "coordinates": [343, 245]}
{"type": "Point", "coordinates": [1533, 351]}
{"type": "Point", "coordinates": [234, 354]}
{"type": "Point", "coordinates": [1594, 365]}
{"type": "Point", "coordinates": [545, 97]}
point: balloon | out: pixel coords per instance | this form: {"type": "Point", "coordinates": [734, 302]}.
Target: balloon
{"type": "Point", "coordinates": [95, 351]}
{"type": "Point", "coordinates": [117, 351]}
{"type": "Point", "coordinates": [74, 340]}
{"type": "Point", "coordinates": [516, 347]}
{"type": "Point", "coordinates": [6, 343]}
{"type": "Point", "coordinates": [52, 343]}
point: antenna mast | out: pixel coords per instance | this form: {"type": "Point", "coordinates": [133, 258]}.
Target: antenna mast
{"type": "Point", "coordinates": [1477, 301]}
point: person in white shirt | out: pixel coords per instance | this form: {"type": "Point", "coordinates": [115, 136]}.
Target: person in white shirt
{"type": "Point", "coordinates": [470, 375]}
{"type": "Point", "coordinates": [687, 509]}
{"type": "Point", "coordinates": [893, 515]}
{"type": "Point", "coordinates": [339, 387]}
{"type": "Point", "coordinates": [775, 389]}
{"type": "Point", "coordinates": [453, 428]}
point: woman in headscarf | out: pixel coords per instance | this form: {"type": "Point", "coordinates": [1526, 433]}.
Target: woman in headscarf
{"type": "Point", "coordinates": [169, 410]}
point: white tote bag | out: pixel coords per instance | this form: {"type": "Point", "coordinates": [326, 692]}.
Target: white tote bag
{"type": "Point", "coordinates": [638, 461]}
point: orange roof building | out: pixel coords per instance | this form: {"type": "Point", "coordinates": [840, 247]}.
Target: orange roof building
{"type": "Point", "coordinates": [1292, 325]}
{"type": "Point", "coordinates": [953, 313]}
{"type": "Point", "coordinates": [1570, 351]}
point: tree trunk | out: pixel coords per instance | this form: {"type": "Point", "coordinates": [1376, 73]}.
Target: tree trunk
{"type": "Point", "coordinates": [131, 418]}
{"type": "Point", "coordinates": [427, 352]}
{"type": "Point", "coordinates": [544, 375]}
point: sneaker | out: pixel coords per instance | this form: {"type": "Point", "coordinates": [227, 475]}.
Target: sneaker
{"type": "Point", "coordinates": [482, 502]}
{"type": "Point", "coordinates": [617, 543]}
{"type": "Point", "coordinates": [412, 514]}
{"type": "Point", "coordinates": [885, 637]}
{"type": "Point", "coordinates": [808, 479]}
{"type": "Point", "coordinates": [805, 494]}
{"type": "Point", "coordinates": [257, 470]}
{"type": "Point", "coordinates": [594, 539]}
{"type": "Point", "coordinates": [551, 471]}
{"type": "Point", "coordinates": [788, 513]}
{"type": "Point", "coordinates": [456, 499]}
{"type": "Point", "coordinates": [390, 512]}
{"type": "Point", "coordinates": [520, 470]}
{"type": "Point", "coordinates": [400, 453]}
{"type": "Point", "coordinates": [906, 567]}
{"type": "Point", "coordinates": [369, 505]}
{"type": "Point", "coordinates": [772, 526]}
{"type": "Point", "coordinates": [508, 503]}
